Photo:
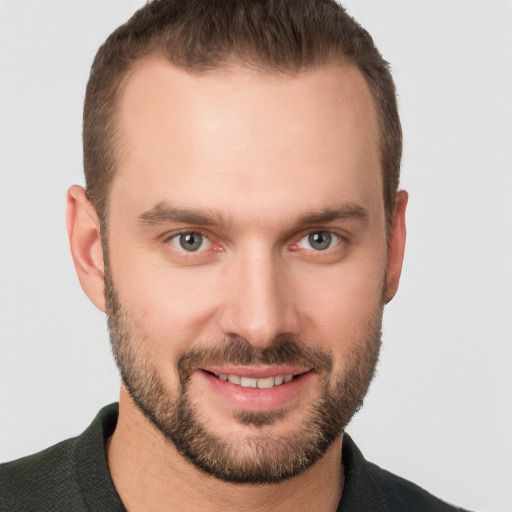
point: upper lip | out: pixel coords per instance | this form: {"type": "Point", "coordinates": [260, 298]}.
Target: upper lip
{"type": "Point", "coordinates": [256, 372]}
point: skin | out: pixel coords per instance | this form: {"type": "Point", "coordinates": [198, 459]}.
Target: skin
{"type": "Point", "coordinates": [260, 151]}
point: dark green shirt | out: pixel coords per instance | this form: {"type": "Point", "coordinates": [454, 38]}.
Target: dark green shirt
{"type": "Point", "coordinates": [74, 476]}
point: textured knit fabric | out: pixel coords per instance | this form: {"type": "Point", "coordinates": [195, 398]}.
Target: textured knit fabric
{"type": "Point", "coordinates": [73, 476]}
{"type": "Point", "coordinates": [372, 489]}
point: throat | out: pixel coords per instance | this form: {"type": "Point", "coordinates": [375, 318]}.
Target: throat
{"type": "Point", "coordinates": [150, 474]}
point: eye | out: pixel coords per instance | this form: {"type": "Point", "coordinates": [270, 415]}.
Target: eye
{"type": "Point", "coordinates": [191, 241]}
{"type": "Point", "coordinates": [319, 241]}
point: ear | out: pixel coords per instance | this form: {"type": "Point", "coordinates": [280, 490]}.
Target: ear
{"type": "Point", "coordinates": [396, 246]}
{"type": "Point", "coordinates": [85, 242]}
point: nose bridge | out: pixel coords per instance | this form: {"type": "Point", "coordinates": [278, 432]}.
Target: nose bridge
{"type": "Point", "coordinates": [258, 305]}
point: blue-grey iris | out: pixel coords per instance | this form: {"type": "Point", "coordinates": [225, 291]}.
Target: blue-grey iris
{"type": "Point", "coordinates": [320, 240]}
{"type": "Point", "coordinates": [191, 241]}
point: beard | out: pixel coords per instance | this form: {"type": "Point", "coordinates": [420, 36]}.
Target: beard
{"type": "Point", "coordinates": [262, 456]}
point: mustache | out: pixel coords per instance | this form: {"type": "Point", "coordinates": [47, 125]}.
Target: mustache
{"type": "Point", "coordinates": [235, 350]}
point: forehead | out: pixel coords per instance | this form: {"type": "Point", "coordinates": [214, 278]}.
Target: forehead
{"type": "Point", "coordinates": [238, 133]}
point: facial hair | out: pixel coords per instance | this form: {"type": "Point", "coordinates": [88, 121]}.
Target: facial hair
{"type": "Point", "coordinates": [262, 457]}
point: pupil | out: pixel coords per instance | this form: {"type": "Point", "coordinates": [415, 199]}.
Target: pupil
{"type": "Point", "coordinates": [320, 240]}
{"type": "Point", "coordinates": [191, 241]}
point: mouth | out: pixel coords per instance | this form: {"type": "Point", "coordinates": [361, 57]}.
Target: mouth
{"type": "Point", "coordinates": [247, 382]}
{"type": "Point", "coordinates": [258, 388]}
{"type": "Point", "coordinates": [260, 383]}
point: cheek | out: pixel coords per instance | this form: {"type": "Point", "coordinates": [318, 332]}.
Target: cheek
{"type": "Point", "coordinates": [166, 314]}
{"type": "Point", "coordinates": [171, 307]}
{"type": "Point", "coordinates": [340, 310]}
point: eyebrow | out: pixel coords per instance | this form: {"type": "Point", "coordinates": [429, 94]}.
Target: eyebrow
{"type": "Point", "coordinates": [345, 211]}
{"type": "Point", "coordinates": [163, 213]}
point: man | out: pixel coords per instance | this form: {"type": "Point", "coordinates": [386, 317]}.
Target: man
{"type": "Point", "coordinates": [242, 228]}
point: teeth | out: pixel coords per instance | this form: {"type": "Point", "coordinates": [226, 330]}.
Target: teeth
{"type": "Point", "coordinates": [266, 383]}
{"type": "Point", "coordinates": [247, 382]}
{"type": "Point", "coordinates": [234, 379]}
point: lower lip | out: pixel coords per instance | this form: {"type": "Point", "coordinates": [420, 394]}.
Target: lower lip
{"type": "Point", "coordinates": [255, 399]}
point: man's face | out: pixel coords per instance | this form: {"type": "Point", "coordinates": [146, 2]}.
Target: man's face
{"type": "Point", "coordinates": [247, 250]}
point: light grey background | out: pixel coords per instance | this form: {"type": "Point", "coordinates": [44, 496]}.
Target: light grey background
{"type": "Point", "coordinates": [440, 410]}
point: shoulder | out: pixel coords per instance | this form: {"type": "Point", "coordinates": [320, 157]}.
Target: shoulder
{"type": "Point", "coordinates": [72, 475]}
{"type": "Point", "coordinates": [43, 481]}
{"type": "Point", "coordinates": [371, 488]}
{"type": "Point", "coordinates": [402, 494]}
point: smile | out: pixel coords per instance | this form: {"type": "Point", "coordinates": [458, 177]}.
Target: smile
{"type": "Point", "coordinates": [257, 388]}
{"type": "Point", "coordinates": [247, 382]}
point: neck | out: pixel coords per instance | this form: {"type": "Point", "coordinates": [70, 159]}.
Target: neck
{"type": "Point", "coordinates": [149, 474]}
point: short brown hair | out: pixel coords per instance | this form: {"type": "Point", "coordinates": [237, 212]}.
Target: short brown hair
{"type": "Point", "coordinates": [199, 35]}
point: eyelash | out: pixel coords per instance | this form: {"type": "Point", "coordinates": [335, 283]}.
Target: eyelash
{"type": "Point", "coordinates": [332, 237]}
{"type": "Point", "coordinates": [175, 240]}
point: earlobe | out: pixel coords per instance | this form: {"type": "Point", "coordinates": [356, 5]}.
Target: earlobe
{"type": "Point", "coordinates": [85, 242]}
{"type": "Point", "coordinates": [396, 247]}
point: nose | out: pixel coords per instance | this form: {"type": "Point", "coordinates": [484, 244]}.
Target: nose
{"type": "Point", "coordinates": [258, 299]}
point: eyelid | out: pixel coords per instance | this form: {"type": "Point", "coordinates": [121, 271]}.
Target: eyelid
{"type": "Point", "coordinates": [211, 242]}
{"type": "Point", "coordinates": [171, 237]}
{"type": "Point", "coordinates": [339, 239]}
